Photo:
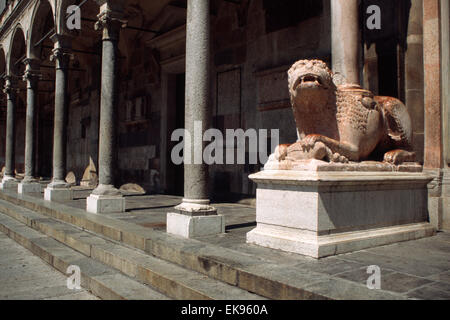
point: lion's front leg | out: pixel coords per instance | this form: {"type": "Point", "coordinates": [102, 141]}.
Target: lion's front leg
{"type": "Point", "coordinates": [336, 151]}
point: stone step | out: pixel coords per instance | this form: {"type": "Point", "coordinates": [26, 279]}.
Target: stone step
{"type": "Point", "coordinates": [168, 278]}
{"type": "Point", "coordinates": [102, 280]}
{"type": "Point", "coordinates": [253, 269]}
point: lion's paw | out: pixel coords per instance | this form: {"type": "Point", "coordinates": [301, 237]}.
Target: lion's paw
{"type": "Point", "coordinates": [309, 142]}
{"type": "Point", "coordinates": [281, 152]}
{"type": "Point", "coordinates": [337, 158]}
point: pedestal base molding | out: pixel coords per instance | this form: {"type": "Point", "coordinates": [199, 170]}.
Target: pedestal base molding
{"type": "Point", "coordinates": [294, 240]}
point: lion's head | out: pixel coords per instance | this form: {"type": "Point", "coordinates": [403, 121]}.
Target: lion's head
{"type": "Point", "coordinates": [310, 83]}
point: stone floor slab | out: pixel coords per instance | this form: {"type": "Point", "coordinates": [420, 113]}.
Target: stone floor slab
{"type": "Point", "coordinates": [429, 293]}
{"type": "Point", "coordinates": [341, 289]}
{"type": "Point", "coordinates": [442, 277]}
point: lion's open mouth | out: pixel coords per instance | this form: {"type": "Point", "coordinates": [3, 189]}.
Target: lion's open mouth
{"type": "Point", "coordinates": [308, 81]}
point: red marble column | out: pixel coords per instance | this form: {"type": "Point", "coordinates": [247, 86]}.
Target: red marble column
{"type": "Point", "coordinates": [433, 153]}
{"type": "Point", "coordinates": [434, 18]}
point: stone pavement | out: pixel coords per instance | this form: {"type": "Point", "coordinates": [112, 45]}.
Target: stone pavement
{"type": "Point", "coordinates": [24, 276]}
{"type": "Point", "coordinates": [417, 269]}
{"type": "Point", "coordinates": [150, 210]}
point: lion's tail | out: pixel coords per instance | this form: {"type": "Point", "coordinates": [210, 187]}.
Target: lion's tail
{"type": "Point", "coordinates": [398, 122]}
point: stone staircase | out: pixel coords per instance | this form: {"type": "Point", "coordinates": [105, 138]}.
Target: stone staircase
{"type": "Point", "coordinates": [109, 269]}
{"type": "Point", "coordinates": [167, 265]}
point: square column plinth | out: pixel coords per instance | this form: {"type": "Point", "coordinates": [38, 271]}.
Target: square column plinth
{"type": "Point", "coordinates": [320, 214]}
{"type": "Point", "coordinates": [9, 184]}
{"type": "Point", "coordinates": [58, 194]}
{"type": "Point", "coordinates": [30, 187]}
{"type": "Point", "coordinates": [105, 204]}
{"type": "Point", "coordinates": [188, 226]}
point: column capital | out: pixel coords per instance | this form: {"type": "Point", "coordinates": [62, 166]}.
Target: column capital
{"type": "Point", "coordinates": [10, 85]}
{"type": "Point", "coordinates": [32, 72]}
{"type": "Point", "coordinates": [62, 51]}
{"type": "Point", "coordinates": [113, 5]}
{"type": "Point", "coordinates": [33, 64]}
{"type": "Point", "coordinates": [110, 22]}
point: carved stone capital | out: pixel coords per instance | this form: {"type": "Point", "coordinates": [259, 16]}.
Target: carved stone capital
{"type": "Point", "coordinates": [110, 22]}
{"type": "Point", "coordinates": [62, 57]}
{"type": "Point", "coordinates": [61, 53]}
{"type": "Point", "coordinates": [10, 85]}
{"type": "Point", "coordinates": [32, 72]}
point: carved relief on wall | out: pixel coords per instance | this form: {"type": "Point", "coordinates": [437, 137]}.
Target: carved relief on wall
{"type": "Point", "coordinates": [271, 89]}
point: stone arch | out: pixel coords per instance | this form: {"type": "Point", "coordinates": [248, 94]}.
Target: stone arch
{"type": "Point", "coordinates": [83, 87]}
{"type": "Point", "coordinates": [2, 63]}
{"type": "Point", "coordinates": [42, 22]}
{"type": "Point", "coordinates": [39, 48]}
{"type": "Point", "coordinates": [61, 13]}
{"type": "Point", "coordinates": [17, 52]}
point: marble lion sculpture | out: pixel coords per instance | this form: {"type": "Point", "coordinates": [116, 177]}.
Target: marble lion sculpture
{"type": "Point", "coordinates": [342, 123]}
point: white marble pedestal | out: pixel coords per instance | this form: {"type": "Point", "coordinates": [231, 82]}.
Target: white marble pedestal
{"type": "Point", "coordinates": [320, 214]}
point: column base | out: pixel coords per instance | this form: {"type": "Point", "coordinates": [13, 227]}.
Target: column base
{"type": "Point", "coordinates": [58, 194]}
{"type": "Point", "coordinates": [105, 204]}
{"type": "Point", "coordinates": [195, 226]}
{"type": "Point", "coordinates": [9, 183]}
{"type": "Point", "coordinates": [29, 187]}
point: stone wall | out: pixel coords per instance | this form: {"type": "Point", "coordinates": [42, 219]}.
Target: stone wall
{"type": "Point", "coordinates": [252, 53]}
{"type": "Point", "coordinates": [139, 119]}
